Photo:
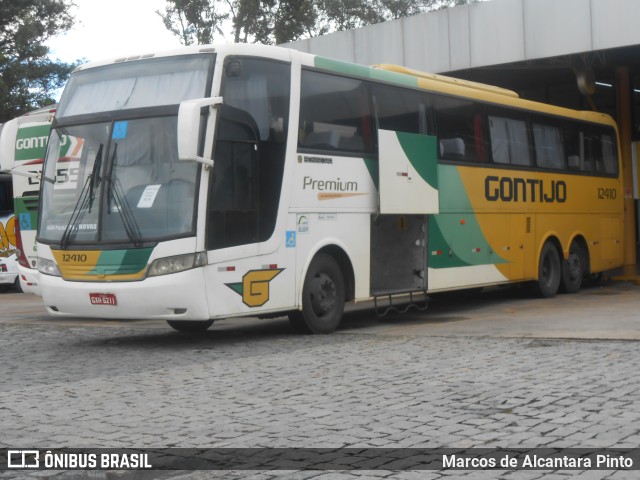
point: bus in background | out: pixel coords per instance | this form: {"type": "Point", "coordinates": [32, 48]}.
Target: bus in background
{"type": "Point", "coordinates": [244, 180]}
{"type": "Point", "coordinates": [8, 263]}
{"type": "Point", "coordinates": [22, 147]}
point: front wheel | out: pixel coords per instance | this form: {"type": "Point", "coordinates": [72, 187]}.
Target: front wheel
{"type": "Point", "coordinates": [573, 269]}
{"type": "Point", "coordinates": [549, 272]}
{"type": "Point", "coordinates": [190, 326]}
{"type": "Point", "coordinates": [323, 297]}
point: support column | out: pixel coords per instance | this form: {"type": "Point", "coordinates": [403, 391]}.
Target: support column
{"type": "Point", "coordinates": [624, 102]}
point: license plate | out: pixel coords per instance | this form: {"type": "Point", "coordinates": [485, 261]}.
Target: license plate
{"type": "Point", "coordinates": [103, 299]}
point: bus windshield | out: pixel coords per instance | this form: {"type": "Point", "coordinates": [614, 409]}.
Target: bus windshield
{"type": "Point", "coordinates": [117, 182]}
{"type": "Point", "coordinates": [146, 83]}
{"type": "Point", "coordinates": [111, 172]}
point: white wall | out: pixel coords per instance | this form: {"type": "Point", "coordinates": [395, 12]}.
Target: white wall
{"type": "Point", "coordinates": [486, 33]}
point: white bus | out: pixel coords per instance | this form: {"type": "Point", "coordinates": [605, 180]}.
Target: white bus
{"type": "Point", "coordinates": [243, 180]}
{"type": "Point", "coordinates": [22, 147]}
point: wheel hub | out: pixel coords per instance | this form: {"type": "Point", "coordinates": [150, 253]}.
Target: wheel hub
{"type": "Point", "coordinates": [323, 294]}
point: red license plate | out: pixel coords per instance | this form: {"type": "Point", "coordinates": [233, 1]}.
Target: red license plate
{"type": "Point", "coordinates": [103, 299]}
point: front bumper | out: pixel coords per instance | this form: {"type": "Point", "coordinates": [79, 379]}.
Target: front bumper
{"type": "Point", "coordinates": [180, 296]}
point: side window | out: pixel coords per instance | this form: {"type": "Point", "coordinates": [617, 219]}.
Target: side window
{"type": "Point", "coordinates": [335, 114]}
{"type": "Point", "coordinates": [547, 140]}
{"type": "Point", "coordinates": [461, 130]}
{"type": "Point", "coordinates": [590, 149]}
{"type": "Point", "coordinates": [600, 151]}
{"type": "Point", "coordinates": [609, 154]}
{"type": "Point", "coordinates": [574, 144]}
{"type": "Point", "coordinates": [400, 109]}
{"type": "Point", "coordinates": [509, 140]}
{"type": "Point", "coordinates": [6, 199]}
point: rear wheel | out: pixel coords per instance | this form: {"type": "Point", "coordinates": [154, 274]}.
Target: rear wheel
{"type": "Point", "coordinates": [573, 269]}
{"type": "Point", "coordinates": [191, 326]}
{"type": "Point", "coordinates": [16, 285]}
{"type": "Point", "coordinates": [323, 297]}
{"type": "Point", "coordinates": [549, 271]}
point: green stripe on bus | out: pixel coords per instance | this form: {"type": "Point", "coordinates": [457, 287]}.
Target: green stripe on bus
{"type": "Point", "coordinates": [461, 243]}
{"type": "Point", "coordinates": [356, 70]}
{"type": "Point", "coordinates": [422, 152]}
{"type": "Point", "coordinates": [438, 242]}
{"type": "Point", "coordinates": [122, 262]}
{"type": "Point", "coordinates": [374, 170]}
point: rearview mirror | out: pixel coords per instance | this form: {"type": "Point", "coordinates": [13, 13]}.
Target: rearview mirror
{"type": "Point", "coordinates": [190, 126]}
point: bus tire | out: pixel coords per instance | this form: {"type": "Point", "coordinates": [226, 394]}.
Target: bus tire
{"type": "Point", "coordinates": [323, 297]}
{"type": "Point", "coordinates": [573, 269]}
{"type": "Point", "coordinates": [549, 271]}
{"type": "Point", "coordinates": [190, 326]}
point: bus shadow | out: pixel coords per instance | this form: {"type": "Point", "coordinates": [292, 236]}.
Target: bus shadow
{"type": "Point", "coordinates": [443, 308]}
{"type": "Point", "coordinates": [465, 305]}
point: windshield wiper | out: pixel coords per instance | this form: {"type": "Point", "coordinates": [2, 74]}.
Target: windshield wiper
{"type": "Point", "coordinates": [85, 200]}
{"type": "Point", "coordinates": [116, 192]}
{"type": "Point", "coordinates": [123, 207]}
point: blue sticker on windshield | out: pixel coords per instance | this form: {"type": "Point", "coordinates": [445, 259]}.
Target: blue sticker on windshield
{"type": "Point", "coordinates": [119, 130]}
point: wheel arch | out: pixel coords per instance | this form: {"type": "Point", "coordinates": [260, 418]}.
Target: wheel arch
{"type": "Point", "coordinates": [340, 253]}
{"type": "Point", "coordinates": [345, 266]}
{"type": "Point", "coordinates": [555, 241]}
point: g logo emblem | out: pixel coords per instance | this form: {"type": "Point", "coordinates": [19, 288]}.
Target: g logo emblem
{"type": "Point", "coordinates": [254, 288]}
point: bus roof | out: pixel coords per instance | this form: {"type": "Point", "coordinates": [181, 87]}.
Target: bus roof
{"type": "Point", "coordinates": [448, 80]}
{"type": "Point", "coordinates": [384, 72]}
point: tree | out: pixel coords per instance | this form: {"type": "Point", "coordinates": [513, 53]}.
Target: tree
{"type": "Point", "coordinates": [28, 78]}
{"type": "Point", "coordinates": [194, 21]}
{"type": "Point", "coordinates": [281, 21]}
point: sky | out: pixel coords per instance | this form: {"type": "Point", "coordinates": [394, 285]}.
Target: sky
{"type": "Point", "coordinates": [113, 28]}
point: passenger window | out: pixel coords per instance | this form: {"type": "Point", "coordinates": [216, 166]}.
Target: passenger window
{"type": "Point", "coordinates": [548, 144]}
{"type": "Point", "coordinates": [6, 198]}
{"type": "Point", "coordinates": [335, 114]}
{"type": "Point", "coordinates": [590, 150]}
{"type": "Point", "coordinates": [604, 147]}
{"type": "Point", "coordinates": [401, 110]}
{"type": "Point", "coordinates": [574, 143]}
{"type": "Point", "coordinates": [509, 141]}
{"type": "Point", "coordinates": [461, 130]}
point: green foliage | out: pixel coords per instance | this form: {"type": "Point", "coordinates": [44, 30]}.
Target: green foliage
{"type": "Point", "coordinates": [28, 78]}
{"type": "Point", "coordinates": [194, 21]}
{"type": "Point", "coordinates": [281, 21]}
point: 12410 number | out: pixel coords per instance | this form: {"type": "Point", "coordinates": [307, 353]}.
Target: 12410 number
{"type": "Point", "coordinates": [74, 258]}
{"type": "Point", "coordinates": [607, 193]}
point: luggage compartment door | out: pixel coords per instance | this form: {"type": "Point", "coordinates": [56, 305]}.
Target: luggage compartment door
{"type": "Point", "coordinates": [408, 173]}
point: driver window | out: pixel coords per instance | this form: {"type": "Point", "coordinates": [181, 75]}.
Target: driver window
{"type": "Point", "coordinates": [249, 152]}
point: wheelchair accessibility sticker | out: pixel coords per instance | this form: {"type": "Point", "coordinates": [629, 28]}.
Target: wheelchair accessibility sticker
{"type": "Point", "coordinates": [291, 239]}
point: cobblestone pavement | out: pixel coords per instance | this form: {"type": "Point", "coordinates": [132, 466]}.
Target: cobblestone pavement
{"type": "Point", "coordinates": [137, 386]}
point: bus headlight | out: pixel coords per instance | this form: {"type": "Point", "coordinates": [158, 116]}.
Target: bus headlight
{"type": "Point", "coordinates": [48, 267]}
{"type": "Point", "coordinates": [178, 263]}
